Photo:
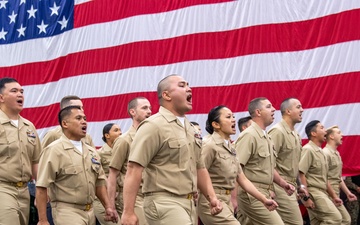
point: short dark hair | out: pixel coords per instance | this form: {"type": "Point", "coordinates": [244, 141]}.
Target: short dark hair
{"type": "Point", "coordinates": [65, 101]}
{"type": "Point", "coordinates": [106, 130]}
{"type": "Point", "coordinates": [133, 103]}
{"type": "Point", "coordinates": [243, 121]}
{"type": "Point", "coordinates": [254, 105]}
{"type": "Point", "coordinates": [310, 127]}
{"type": "Point", "coordinates": [213, 116]}
{"type": "Point", "coordinates": [6, 80]}
{"type": "Point", "coordinates": [66, 112]}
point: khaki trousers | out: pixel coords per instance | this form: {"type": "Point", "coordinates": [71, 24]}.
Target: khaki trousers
{"type": "Point", "coordinates": [14, 204]}
{"type": "Point", "coordinates": [325, 212]}
{"type": "Point", "coordinates": [226, 216]}
{"type": "Point", "coordinates": [65, 214]}
{"type": "Point", "coordinates": [346, 220]}
{"type": "Point", "coordinates": [256, 211]}
{"type": "Point", "coordinates": [288, 209]}
{"type": "Point", "coordinates": [163, 209]}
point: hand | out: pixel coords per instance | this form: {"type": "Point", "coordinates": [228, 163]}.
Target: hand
{"type": "Point", "coordinates": [302, 191]}
{"type": "Point", "coordinates": [234, 203]}
{"type": "Point", "coordinates": [308, 204]}
{"type": "Point", "coordinates": [352, 197]}
{"type": "Point", "coordinates": [270, 204]}
{"type": "Point", "coordinates": [195, 198]}
{"type": "Point", "coordinates": [111, 215]}
{"type": "Point", "coordinates": [358, 189]}
{"type": "Point", "coordinates": [43, 222]}
{"type": "Point", "coordinates": [215, 206]}
{"type": "Point", "coordinates": [289, 189]}
{"type": "Point", "coordinates": [129, 219]}
{"type": "Point", "coordinates": [337, 201]}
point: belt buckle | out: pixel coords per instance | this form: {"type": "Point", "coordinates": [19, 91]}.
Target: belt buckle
{"type": "Point", "coordinates": [87, 207]}
{"type": "Point", "coordinates": [227, 192]}
{"type": "Point", "coordinates": [189, 196]}
{"type": "Point", "coordinates": [19, 184]}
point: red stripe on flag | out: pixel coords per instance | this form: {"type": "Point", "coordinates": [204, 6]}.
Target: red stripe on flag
{"type": "Point", "coordinates": [328, 30]}
{"type": "Point", "coordinates": [100, 11]}
{"type": "Point", "coordinates": [325, 91]}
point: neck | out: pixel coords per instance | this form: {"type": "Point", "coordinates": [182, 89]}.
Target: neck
{"type": "Point", "coordinates": [223, 135]}
{"type": "Point", "coordinates": [332, 144]}
{"type": "Point", "coordinates": [317, 142]}
{"type": "Point", "coordinates": [289, 122]}
{"type": "Point", "coordinates": [260, 123]}
{"type": "Point", "coordinates": [11, 114]}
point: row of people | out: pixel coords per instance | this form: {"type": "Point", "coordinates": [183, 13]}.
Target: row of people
{"type": "Point", "coordinates": [164, 163]}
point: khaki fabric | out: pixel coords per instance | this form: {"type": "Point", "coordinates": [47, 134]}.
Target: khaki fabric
{"type": "Point", "coordinates": [64, 214]}
{"type": "Point", "coordinates": [56, 133]}
{"type": "Point", "coordinates": [335, 167]}
{"type": "Point", "coordinates": [288, 147]}
{"type": "Point", "coordinates": [19, 150]}
{"type": "Point", "coordinates": [69, 175]}
{"type": "Point", "coordinates": [169, 152]}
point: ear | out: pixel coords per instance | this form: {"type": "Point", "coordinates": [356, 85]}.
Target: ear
{"type": "Point", "coordinates": [215, 125]}
{"type": "Point", "coordinates": [107, 136]}
{"type": "Point", "coordinates": [132, 112]}
{"type": "Point", "coordinates": [64, 124]}
{"type": "Point", "coordinates": [1, 98]}
{"type": "Point", "coordinates": [166, 96]}
{"type": "Point", "coordinates": [258, 112]}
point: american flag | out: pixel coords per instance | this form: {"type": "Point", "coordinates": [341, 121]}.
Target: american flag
{"type": "Point", "coordinates": [108, 52]}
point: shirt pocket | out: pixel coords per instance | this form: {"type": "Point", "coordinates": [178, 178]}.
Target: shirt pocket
{"type": "Point", "coordinates": [4, 148]}
{"type": "Point", "coordinates": [179, 152]}
{"type": "Point", "coordinates": [264, 157]}
{"type": "Point", "coordinates": [72, 176]}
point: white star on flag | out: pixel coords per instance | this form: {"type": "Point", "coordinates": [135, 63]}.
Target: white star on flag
{"type": "Point", "coordinates": [54, 9]}
{"type": "Point", "coordinates": [42, 27]}
{"type": "Point", "coordinates": [22, 2]}
{"type": "Point", "coordinates": [32, 12]}
{"type": "Point", "coordinates": [21, 31]}
{"type": "Point", "coordinates": [63, 23]}
{"type": "Point", "coordinates": [3, 4]}
{"type": "Point", "coordinates": [12, 17]}
{"type": "Point", "coordinates": [2, 34]}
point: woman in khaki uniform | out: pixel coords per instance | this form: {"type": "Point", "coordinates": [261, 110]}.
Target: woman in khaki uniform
{"type": "Point", "coordinates": [224, 168]}
{"type": "Point", "coordinates": [111, 131]}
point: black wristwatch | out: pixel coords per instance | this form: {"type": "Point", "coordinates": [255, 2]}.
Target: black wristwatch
{"type": "Point", "coordinates": [305, 198]}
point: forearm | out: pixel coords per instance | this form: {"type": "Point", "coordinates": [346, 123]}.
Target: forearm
{"type": "Point", "coordinates": [250, 188]}
{"type": "Point", "coordinates": [112, 184]}
{"type": "Point", "coordinates": [331, 191]}
{"type": "Point", "coordinates": [101, 193]}
{"type": "Point", "coordinates": [204, 184]}
{"type": "Point", "coordinates": [131, 186]}
{"type": "Point", "coordinates": [34, 170]}
{"type": "Point", "coordinates": [279, 180]}
{"type": "Point", "coordinates": [41, 202]}
{"type": "Point", "coordinates": [344, 188]}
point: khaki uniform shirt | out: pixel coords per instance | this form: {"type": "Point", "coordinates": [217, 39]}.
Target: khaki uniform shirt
{"type": "Point", "coordinates": [105, 153]}
{"type": "Point", "coordinates": [335, 167]}
{"type": "Point", "coordinates": [288, 147]}
{"type": "Point", "coordinates": [169, 152]}
{"type": "Point", "coordinates": [255, 152]}
{"type": "Point", "coordinates": [221, 162]}
{"type": "Point", "coordinates": [121, 151]}
{"type": "Point", "coordinates": [69, 175]}
{"type": "Point", "coordinates": [54, 134]}
{"type": "Point", "coordinates": [313, 164]}
{"type": "Point", "coordinates": [19, 149]}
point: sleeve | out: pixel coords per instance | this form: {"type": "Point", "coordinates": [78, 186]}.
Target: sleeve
{"type": "Point", "coordinates": [48, 139]}
{"type": "Point", "coordinates": [47, 168]}
{"type": "Point", "coordinates": [278, 139]}
{"type": "Point", "coordinates": [147, 142]}
{"type": "Point", "coordinates": [208, 154]}
{"type": "Point", "coordinates": [101, 178]}
{"type": "Point", "coordinates": [305, 161]}
{"type": "Point", "coordinates": [244, 148]}
{"type": "Point", "coordinates": [120, 153]}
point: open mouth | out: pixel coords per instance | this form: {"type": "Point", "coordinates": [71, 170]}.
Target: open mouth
{"type": "Point", "coordinates": [189, 98]}
{"type": "Point", "coordinates": [20, 101]}
{"type": "Point", "coordinates": [83, 128]}
{"type": "Point", "coordinates": [233, 126]}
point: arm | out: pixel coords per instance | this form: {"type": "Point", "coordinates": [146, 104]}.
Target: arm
{"type": "Point", "coordinates": [348, 193]}
{"type": "Point", "coordinates": [251, 189]}
{"type": "Point", "coordinates": [110, 212]}
{"type": "Point", "coordinates": [34, 169]}
{"type": "Point", "coordinates": [337, 201]}
{"type": "Point", "coordinates": [41, 202]}
{"type": "Point", "coordinates": [234, 197]}
{"type": "Point", "coordinates": [131, 187]}
{"type": "Point", "coordinates": [205, 186]}
{"type": "Point", "coordinates": [111, 185]}
{"type": "Point", "coordinates": [308, 203]}
{"type": "Point", "coordinates": [282, 183]}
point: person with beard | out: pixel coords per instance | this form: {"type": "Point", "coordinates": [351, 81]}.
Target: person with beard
{"type": "Point", "coordinates": [255, 152]}
{"type": "Point", "coordinates": [224, 168]}
{"type": "Point", "coordinates": [287, 143]}
{"type": "Point", "coordinates": [335, 182]}
{"type": "Point", "coordinates": [19, 154]}
{"type": "Point", "coordinates": [313, 173]}
{"type": "Point", "coordinates": [167, 148]}
{"type": "Point", "coordinates": [70, 172]}
{"type": "Point", "coordinates": [139, 109]}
